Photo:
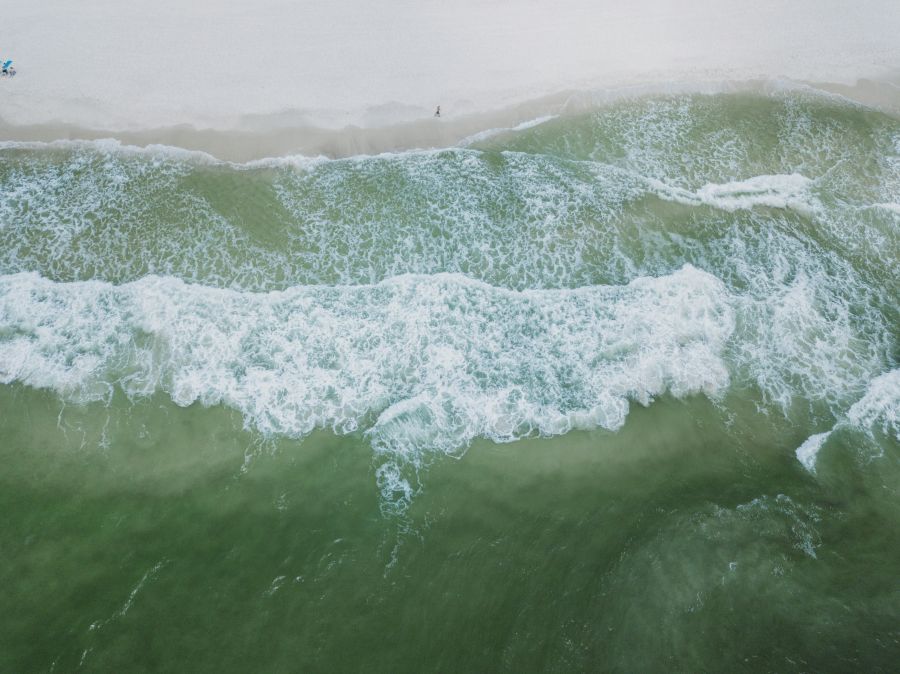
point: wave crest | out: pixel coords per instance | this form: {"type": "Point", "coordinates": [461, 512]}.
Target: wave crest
{"type": "Point", "coordinates": [421, 363]}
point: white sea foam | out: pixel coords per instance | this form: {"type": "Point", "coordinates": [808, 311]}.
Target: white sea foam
{"type": "Point", "coordinates": [115, 147]}
{"type": "Point", "coordinates": [879, 407]}
{"type": "Point", "coordinates": [889, 206]}
{"type": "Point", "coordinates": [112, 146]}
{"type": "Point", "coordinates": [809, 450]}
{"type": "Point", "coordinates": [490, 133]}
{"type": "Point", "coordinates": [808, 327]}
{"type": "Point", "coordinates": [421, 363]}
{"type": "Point", "coordinates": [775, 191]}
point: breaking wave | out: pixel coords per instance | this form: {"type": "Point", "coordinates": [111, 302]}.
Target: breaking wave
{"type": "Point", "coordinates": [540, 279]}
{"type": "Point", "coordinates": [420, 363]}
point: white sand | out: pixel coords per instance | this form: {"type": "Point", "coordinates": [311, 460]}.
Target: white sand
{"type": "Point", "coordinates": [142, 64]}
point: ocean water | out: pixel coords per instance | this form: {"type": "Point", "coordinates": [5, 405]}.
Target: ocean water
{"type": "Point", "coordinates": [615, 391]}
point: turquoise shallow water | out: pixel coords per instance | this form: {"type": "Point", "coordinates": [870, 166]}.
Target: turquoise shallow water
{"type": "Point", "coordinates": [614, 392]}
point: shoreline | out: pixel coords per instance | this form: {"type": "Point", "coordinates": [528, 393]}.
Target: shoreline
{"type": "Point", "coordinates": [283, 134]}
{"type": "Point", "coordinates": [350, 77]}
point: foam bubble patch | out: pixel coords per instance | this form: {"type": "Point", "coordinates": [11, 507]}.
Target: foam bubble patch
{"type": "Point", "coordinates": [421, 364]}
{"type": "Point", "coordinates": [774, 191]}
{"type": "Point", "coordinates": [880, 406]}
{"type": "Point", "coordinates": [809, 450]}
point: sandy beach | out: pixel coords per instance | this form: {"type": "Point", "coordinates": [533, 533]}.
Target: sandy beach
{"type": "Point", "coordinates": [160, 71]}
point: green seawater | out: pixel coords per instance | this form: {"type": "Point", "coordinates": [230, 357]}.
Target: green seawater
{"type": "Point", "coordinates": [613, 392]}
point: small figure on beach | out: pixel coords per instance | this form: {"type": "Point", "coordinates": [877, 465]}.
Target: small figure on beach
{"type": "Point", "coordinates": [8, 70]}
{"type": "Point", "coordinates": [437, 113]}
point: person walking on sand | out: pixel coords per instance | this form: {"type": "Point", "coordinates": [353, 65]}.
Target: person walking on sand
{"type": "Point", "coordinates": [437, 113]}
